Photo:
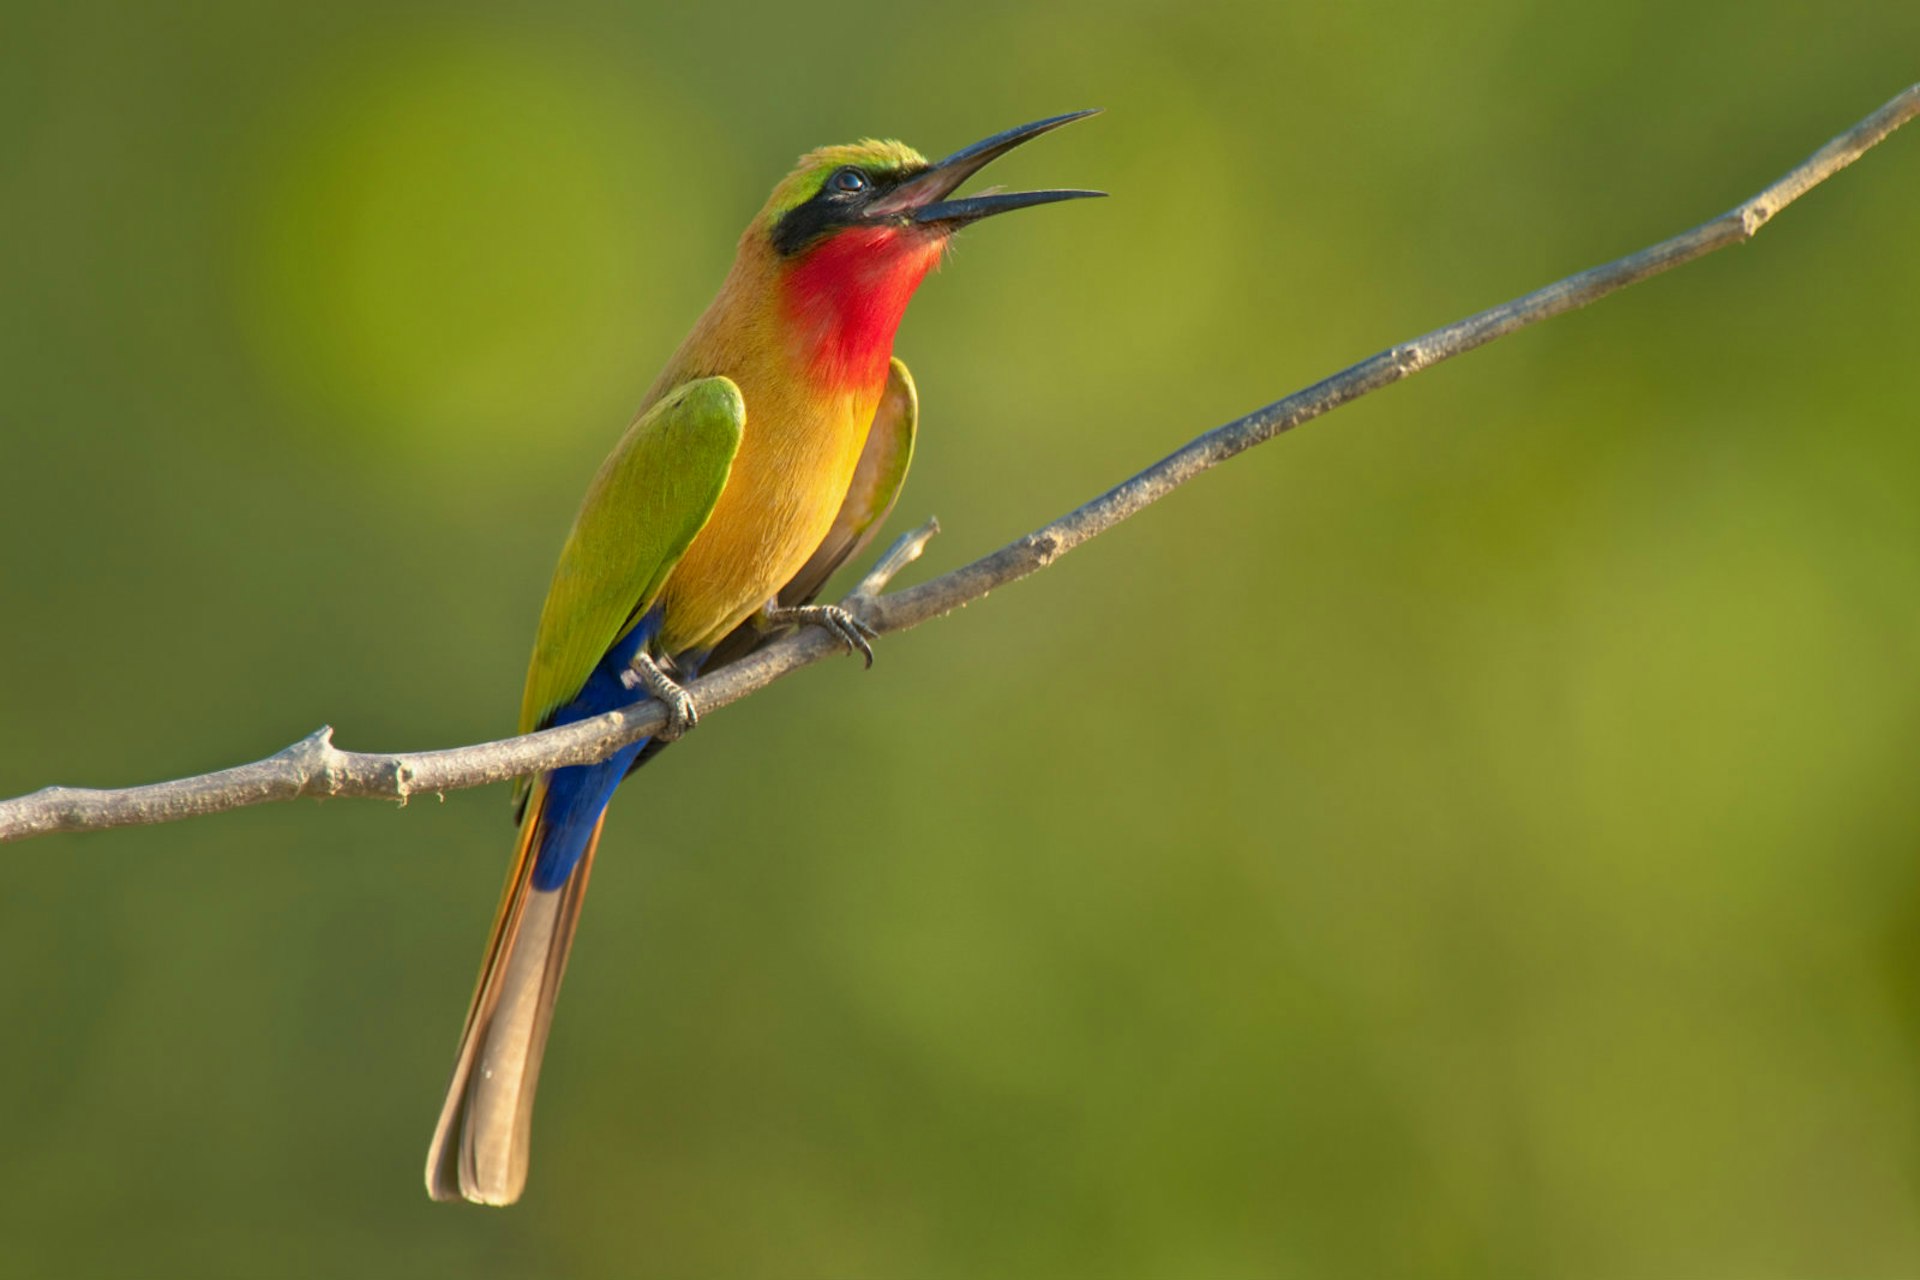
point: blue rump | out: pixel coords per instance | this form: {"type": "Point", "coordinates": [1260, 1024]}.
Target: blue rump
{"type": "Point", "coordinates": [578, 794]}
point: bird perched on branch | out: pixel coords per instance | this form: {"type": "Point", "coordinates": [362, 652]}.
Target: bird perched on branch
{"type": "Point", "coordinates": [766, 453]}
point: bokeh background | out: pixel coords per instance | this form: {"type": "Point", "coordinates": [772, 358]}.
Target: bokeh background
{"type": "Point", "coordinates": [1475, 836]}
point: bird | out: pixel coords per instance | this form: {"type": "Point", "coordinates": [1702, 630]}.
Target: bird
{"type": "Point", "coordinates": [767, 452]}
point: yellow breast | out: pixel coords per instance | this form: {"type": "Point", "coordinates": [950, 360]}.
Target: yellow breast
{"type": "Point", "coordinates": [796, 462]}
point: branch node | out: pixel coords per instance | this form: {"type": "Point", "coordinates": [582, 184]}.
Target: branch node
{"type": "Point", "coordinates": [1408, 359]}
{"type": "Point", "coordinates": [316, 763]}
{"type": "Point", "coordinates": [403, 774]}
{"type": "Point", "coordinates": [1044, 544]}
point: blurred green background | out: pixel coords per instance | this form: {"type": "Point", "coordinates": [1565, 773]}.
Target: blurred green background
{"type": "Point", "coordinates": [1474, 837]}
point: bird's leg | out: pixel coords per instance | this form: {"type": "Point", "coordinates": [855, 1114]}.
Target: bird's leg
{"type": "Point", "coordinates": [645, 673]}
{"type": "Point", "coordinates": [835, 621]}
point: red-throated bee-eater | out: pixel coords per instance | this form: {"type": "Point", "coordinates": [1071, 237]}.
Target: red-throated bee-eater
{"type": "Point", "coordinates": [766, 453]}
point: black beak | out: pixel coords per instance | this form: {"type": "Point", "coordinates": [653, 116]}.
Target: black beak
{"type": "Point", "coordinates": [921, 198]}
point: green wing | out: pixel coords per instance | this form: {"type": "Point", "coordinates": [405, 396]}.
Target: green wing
{"type": "Point", "coordinates": [651, 496]}
{"type": "Point", "coordinates": [876, 487]}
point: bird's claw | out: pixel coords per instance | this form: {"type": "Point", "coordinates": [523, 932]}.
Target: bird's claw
{"type": "Point", "coordinates": [853, 634]}
{"type": "Point", "coordinates": [682, 712]}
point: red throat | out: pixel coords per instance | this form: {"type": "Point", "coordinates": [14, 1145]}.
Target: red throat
{"type": "Point", "coordinates": [845, 299]}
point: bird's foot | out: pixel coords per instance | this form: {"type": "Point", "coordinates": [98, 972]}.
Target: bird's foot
{"type": "Point", "coordinates": [682, 713]}
{"type": "Point", "coordinates": [854, 634]}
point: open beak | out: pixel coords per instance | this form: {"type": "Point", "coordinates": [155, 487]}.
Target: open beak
{"type": "Point", "coordinates": [922, 198]}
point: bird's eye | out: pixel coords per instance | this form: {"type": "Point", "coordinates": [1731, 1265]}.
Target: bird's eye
{"type": "Point", "coordinates": [848, 181]}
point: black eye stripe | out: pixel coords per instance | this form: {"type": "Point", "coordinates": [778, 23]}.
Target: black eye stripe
{"type": "Point", "coordinates": [829, 209]}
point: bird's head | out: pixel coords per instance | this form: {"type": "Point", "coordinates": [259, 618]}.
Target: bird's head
{"type": "Point", "coordinates": [854, 229]}
{"type": "Point", "coordinates": [888, 187]}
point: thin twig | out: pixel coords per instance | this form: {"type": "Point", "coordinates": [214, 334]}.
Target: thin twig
{"type": "Point", "coordinates": [315, 767]}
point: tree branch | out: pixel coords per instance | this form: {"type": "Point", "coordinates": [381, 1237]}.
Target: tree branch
{"type": "Point", "coordinates": [315, 767]}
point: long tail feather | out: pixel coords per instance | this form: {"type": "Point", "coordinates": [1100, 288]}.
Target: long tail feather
{"type": "Point", "coordinates": [480, 1148]}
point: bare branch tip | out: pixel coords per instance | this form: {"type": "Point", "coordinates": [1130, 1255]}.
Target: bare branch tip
{"type": "Point", "coordinates": [907, 548]}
